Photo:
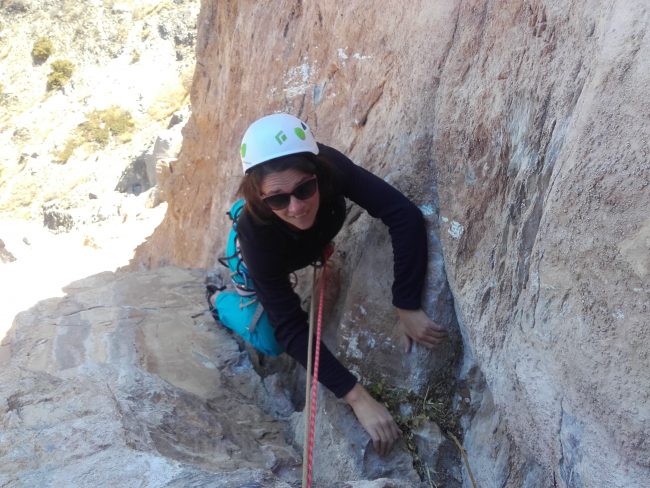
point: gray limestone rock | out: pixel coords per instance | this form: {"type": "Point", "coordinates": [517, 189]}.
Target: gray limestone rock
{"type": "Point", "coordinates": [354, 459]}
{"type": "Point", "coordinates": [126, 381]}
{"type": "Point", "coordinates": [5, 254]}
{"type": "Point", "coordinates": [136, 178]}
{"type": "Point", "coordinates": [141, 174]}
{"type": "Point", "coordinates": [439, 456]}
{"type": "Point", "coordinates": [117, 385]}
{"type": "Point", "coordinates": [57, 218]}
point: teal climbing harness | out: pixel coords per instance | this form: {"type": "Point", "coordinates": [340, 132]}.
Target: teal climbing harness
{"type": "Point", "coordinates": [236, 306]}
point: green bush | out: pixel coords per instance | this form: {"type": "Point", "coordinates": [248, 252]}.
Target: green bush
{"type": "Point", "coordinates": [94, 129]}
{"type": "Point", "coordinates": [98, 128]}
{"type": "Point", "coordinates": [101, 124]}
{"type": "Point", "coordinates": [42, 50]}
{"type": "Point", "coordinates": [65, 153]}
{"type": "Point", "coordinates": [61, 73]}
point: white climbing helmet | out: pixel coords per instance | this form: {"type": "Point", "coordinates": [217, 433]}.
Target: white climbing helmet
{"type": "Point", "coordinates": [274, 136]}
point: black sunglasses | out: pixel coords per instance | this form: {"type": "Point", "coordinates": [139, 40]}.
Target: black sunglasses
{"type": "Point", "coordinates": [303, 191]}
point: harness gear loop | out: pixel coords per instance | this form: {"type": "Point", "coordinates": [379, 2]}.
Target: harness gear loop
{"type": "Point", "coordinates": [311, 389]}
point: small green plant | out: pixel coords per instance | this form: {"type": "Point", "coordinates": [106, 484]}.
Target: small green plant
{"type": "Point", "coordinates": [101, 124]}
{"type": "Point", "coordinates": [121, 36]}
{"type": "Point", "coordinates": [61, 73]}
{"type": "Point", "coordinates": [64, 154]}
{"type": "Point", "coordinates": [434, 406]}
{"type": "Point", "coordinates": [97, 129]}
{"type": "Point", "coordinates": [42, 50]}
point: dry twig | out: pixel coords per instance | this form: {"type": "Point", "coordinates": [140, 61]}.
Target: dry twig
{"type": "Point", "coordinates": [463, 452]}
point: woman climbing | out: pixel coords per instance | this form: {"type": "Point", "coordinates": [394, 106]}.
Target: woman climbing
{"type": "Point", "coordinates": [295, 191]}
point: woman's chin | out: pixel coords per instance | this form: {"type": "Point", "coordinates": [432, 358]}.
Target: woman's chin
{"type": "Point", "coordinates": [305, 222]}
{"type": "Point", "coordinates": [303, 225]}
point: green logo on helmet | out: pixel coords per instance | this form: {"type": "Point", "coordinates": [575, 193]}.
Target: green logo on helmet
{"type": "Point", "coordinates": [243, 150]}
{"type": "Point", "coordinates": [300, 133]}
{"type": "Point", "coordinates": [280, 137]}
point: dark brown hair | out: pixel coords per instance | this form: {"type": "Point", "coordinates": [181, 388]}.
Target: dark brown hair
{"type": "Point", "coordinates": [250, 187]}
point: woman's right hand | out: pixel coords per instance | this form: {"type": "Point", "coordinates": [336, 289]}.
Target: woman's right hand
{"type": "Point", "coordinates": [375, 418]}
{"type": "Point", "coordinates": [418, 327]}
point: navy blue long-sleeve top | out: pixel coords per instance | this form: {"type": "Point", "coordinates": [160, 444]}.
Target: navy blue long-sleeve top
{"type": "Point", "coordinates": [272, 251]}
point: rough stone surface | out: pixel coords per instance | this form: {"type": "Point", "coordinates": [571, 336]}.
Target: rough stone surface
{"type": "Point", "coordinates": [530, 120]}
{"type": "Point", "coordinates": [317, 83]}
{"type": "Point", "coordinates": [437, 452]}
{"type": "Point", "coordinates": [116, 384]}
{"type": "Point", "coordinates": [355, 457]}
{"type": "Point", "coordinates": [126, 381]}
{"type": "Point", "coordinates": [543, 198]}
{"type": "Point", "coordinates": [141, 174]}
{"type": "Point", "coordinates": [5, 254]}
{"type": "Point", "coordinates": [56, 218]}
{"type": "Point", "coordinates": [135, 178]}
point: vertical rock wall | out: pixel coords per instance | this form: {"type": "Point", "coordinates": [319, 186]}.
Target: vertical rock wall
{"type": "Point", "coordinates": [363, 77]}
{"type": "Point", "coordinates": [541, 150]}
{"type": "Point", "coordinates": [365, 82]}
{"type": "Point", "coordinates": [531, 117]}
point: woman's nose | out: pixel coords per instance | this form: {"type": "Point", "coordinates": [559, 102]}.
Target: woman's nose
{"type": "Point", "coordinates": [295, 205]}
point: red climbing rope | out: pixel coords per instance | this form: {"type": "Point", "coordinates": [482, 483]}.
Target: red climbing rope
{"type": "Point", "coordinates": [311, 396]}
{"type": "Point", "coordinates": [314, 381]}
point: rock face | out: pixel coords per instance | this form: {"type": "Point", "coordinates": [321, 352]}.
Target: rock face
{"type": "Point", "coordinates": [543, 197]}
{"type": "Point", "coordinates": [117, 384]}
{"type": "Point", "coordinates": [141, 174]}
{"type": "Point", "coordinates": [126, 381]}
{"type": "Point", "coordinates": [319, 84]}
{"type": "Point", "coordinates": [521, 129]}
{"type": "Point", "coordinates": [5, 254]}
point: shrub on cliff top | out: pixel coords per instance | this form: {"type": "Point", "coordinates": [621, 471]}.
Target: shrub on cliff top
{"type": "Point", "coordinates": [101, 124]}
{"type": "Point", "coordinates": [42, 50]}
{"type": "Point", "coordinates": [97, 129]}
{"type": "Point", "coordinates": [61, 73]}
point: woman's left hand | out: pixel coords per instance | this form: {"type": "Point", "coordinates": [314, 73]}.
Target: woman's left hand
{"type": "Point", "coordinates": [418, 327]}
{"type": "Point", "coordinates": [374, 418]}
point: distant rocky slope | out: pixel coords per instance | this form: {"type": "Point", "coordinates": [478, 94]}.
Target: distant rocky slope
{"type": "Point", "coordinates": [93, 98]}
{"type": "Point", "coordinates": [129, 66]}
{"type": "Point", "coordinates": [521, 129]}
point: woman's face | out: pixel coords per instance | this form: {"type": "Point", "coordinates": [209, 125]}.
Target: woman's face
{"type": "Point", "coordinates": [300, 214]}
